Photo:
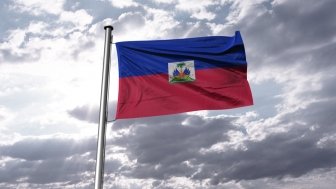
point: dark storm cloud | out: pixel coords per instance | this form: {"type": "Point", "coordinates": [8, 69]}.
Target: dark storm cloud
{"type": "Point", "coordinates": [162, 150]}
{"type": "Point", "coordinates": [50, 160]}
{"type": "Point", "coordinates": [91, 113]}
{"type": "Point", "coordinates": [161, 145]}
{"type": "Point", "coordinates": [294, 153]}
{"type": "Point", "coordinates": [321, 60]}
{"type": "Point", "coordinates": [277, 156]}
{"type": "Point", "coordinates": [85, 113]}
{"type": "Point", "coordinates": [47, 171]}
{"type": "Point", "coordinates": [287, 28]}
{"type": "Point", "coordinates": [40, 149]}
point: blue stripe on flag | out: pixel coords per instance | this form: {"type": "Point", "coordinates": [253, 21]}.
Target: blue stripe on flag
{"type": "Point", "coordinates": [138, 58]}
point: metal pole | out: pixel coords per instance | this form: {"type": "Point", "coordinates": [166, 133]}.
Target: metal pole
{"type": "Point", "coordinates": [99, 177]}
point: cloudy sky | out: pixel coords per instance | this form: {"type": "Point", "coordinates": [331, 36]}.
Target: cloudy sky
{"type": "Point", "coordinates": [51, 55]}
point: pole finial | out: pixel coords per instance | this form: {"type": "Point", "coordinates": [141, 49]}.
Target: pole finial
{"type": "Point", "coordinates": [108, 26]}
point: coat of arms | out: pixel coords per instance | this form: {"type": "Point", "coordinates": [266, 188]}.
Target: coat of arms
{"type": "Point", "coordinates": [181, 71]}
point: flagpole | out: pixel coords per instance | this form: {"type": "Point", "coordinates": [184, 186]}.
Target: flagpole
{"type": "Point", "coordinates": [100, 160]}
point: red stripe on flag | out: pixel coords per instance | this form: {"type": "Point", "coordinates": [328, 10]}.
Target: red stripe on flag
{"type": "Point", "coordinates": [152, 95]}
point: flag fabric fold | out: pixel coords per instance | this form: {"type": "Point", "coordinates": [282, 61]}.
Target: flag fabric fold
{"type": "Point", "coordinates": [163, 77]}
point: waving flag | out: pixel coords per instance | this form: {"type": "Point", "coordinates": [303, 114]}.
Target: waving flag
{"type": "Point", "coordinates": [172, 76]}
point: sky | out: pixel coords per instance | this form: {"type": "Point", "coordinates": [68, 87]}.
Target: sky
{"type": "Point", "coordinates": [51, 55]}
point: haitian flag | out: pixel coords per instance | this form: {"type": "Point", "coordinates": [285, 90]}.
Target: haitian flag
{"type": "Point", "coordinates": [172, 76]}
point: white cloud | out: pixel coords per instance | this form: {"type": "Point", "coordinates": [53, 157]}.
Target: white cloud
{"type": "Point", "coordinates": [5, 116]}
{"type": "Point", "coordinates": [132, 25]}
{"type": "Point", "coordinates": [54, 72]}
{"type": "Point", "coordinates": [16, 38]}
{"type": "Point", "coordinates": [164, 1]}
{"type": "Point", "coordinates": [328, 141]}
{"type": "Point", "coordinates": [40, 99]}
{"type": "Point", "coordinates": [123, 3]}
{"type": "Point", "coordinates": [79, 17]}
{"type": "Point", "coordinates": [198, 9]}
{"type": "Point", "coordinates": [161, 21]}
{"type": "Point", "coordinates": [37, 27]}
{"type": "Point", "coordinates": [216, 28]}
{"type": "Point", "coordinates": [203, 14]}
{"type": "Point", "coordinates": [13, 47]}
{"type": "Point", "coordinates": [38, 7]}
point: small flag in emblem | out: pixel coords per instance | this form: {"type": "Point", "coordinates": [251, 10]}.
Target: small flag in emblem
{"type": "Point", "coordinates": [181, 71]}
